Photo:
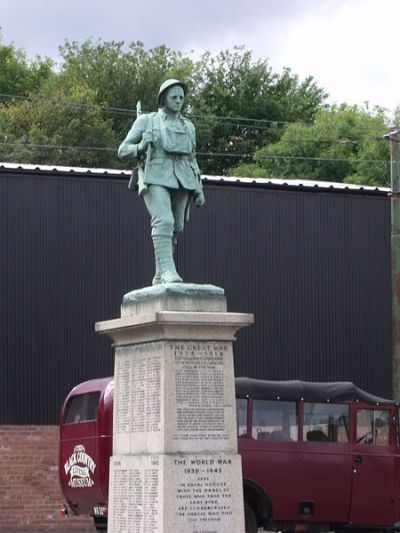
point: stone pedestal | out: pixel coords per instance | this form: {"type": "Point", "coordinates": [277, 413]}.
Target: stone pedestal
{"type": "Point", "coordinates": [175, 466]}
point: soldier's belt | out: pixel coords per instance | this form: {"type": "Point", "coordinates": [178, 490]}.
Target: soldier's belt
{"type": "Point", "coordinates": [174, 157]}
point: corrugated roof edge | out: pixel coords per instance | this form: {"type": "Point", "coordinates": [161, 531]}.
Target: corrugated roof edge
{"type": "Point", "coordinates": [263, 182]}
{"type": "Point", "coordinates": [63, 169]}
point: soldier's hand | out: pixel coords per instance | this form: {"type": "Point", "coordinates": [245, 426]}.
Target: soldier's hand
{"type": "Point", "coordinates": [147, 138]}
{"type": "Point", "coordinates": [199, 199]}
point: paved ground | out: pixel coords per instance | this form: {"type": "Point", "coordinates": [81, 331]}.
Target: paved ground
{"type": "Point", "coordinates": [55, 530]}
{"type": "Point", "coordinates": [66, 530]}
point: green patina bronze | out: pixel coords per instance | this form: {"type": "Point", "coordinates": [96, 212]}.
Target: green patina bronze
{"type": "Point", "coordinates": [167, 175]}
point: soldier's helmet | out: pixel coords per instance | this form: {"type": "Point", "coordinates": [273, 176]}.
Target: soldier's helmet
{"type": "Point", "coordinates": [167, 84]}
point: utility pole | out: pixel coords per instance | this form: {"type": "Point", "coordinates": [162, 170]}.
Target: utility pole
{"type": "Point", "coordinates": [394, 138]}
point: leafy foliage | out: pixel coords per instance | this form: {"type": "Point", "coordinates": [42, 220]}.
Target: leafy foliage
{"type": "Point", "coordinates": [250, 121]}
{"type": "Point", "coordinates": [236, 101]}
{"type": "Point", "coordinates": [120, 77]}
{"type": "Point", "coordinates": [343, 144]}
{"type": "Point", "coordinates": [21, 77]}
{"type": "Point", "coordinates": [61, 129]}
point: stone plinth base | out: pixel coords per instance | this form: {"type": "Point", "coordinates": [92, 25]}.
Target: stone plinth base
{"type": "Point", "coordinates": [175, 467]}
{"type": "Point", "coordinates": [176, 493]}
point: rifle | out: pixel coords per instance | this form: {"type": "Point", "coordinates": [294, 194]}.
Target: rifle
{"type": "Point", "coordinates": [139, 167]}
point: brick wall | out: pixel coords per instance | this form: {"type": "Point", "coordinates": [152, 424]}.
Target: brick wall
{"type": "Point", "coordinates": [30, 497]}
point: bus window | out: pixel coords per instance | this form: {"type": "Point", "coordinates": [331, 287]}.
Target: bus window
{"type": "Point", "coordinates": [326, 422]}
{"type": "Point", "coordinates": [274, 420]}
{"type": "Point", "coordinates": [241, 417]}
{"type": "Point", "coordinates": [82, 407]}
{"type": "Point", "coordinates": [373, 427]}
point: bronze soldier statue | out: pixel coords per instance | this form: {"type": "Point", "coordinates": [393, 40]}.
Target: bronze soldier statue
{"type": "Point", "coordinates": [168, 176]}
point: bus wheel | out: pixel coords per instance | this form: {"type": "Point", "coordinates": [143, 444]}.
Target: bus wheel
{"type": "Point", "coordinates": [250, 519]}
{"type": "Point", "coordinates": [100, 524]}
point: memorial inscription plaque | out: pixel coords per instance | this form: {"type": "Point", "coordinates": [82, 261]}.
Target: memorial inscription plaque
{"type": "Point", "coordinates": [202, 494]}
{"type": "Point", "coordinates": [135, 494]}
{"type": "Point", "coordinates": [138, 390]}
{"type": "Point", "coordinates": [187, 384]}
{"type": "Point", "coordinates": [200, 391]}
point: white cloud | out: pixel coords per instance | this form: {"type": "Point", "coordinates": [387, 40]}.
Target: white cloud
{"type": "Point", "coordinates": [349, 46]}
{"type": "Point", "coordinates": [348, 49]}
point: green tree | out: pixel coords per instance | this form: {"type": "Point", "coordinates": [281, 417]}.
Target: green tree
{"type": "Point", "coordinates": [235, 101]}
{"type": "Point", "coordinates": [120, 75]}
{"type": "Point", "coordinates": [229, 85]}
{"type": "Point", "coordinates": [63, 128]}
{"type": "Point", "coordinates": [18, 76]}
{"type": "Point", "coordinates": [238, 102]}
{"type": "Point", "coordinates": [344, 144]}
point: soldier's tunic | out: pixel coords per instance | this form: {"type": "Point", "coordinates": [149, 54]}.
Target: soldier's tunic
{"type": "Point", "coordinates": [173, 160]}
{"type": "Point", "coordinates": [172, 173]}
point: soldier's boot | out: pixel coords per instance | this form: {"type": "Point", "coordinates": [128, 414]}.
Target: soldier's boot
{"type": "Point", "coordinates": [163, 253]}
{"type": "Point", "coordinates": [157, 275]}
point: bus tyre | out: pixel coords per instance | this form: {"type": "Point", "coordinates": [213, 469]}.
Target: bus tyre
{"type": "Point", "coordinates": [100, 524]}
{"type": "Point", "coordinates": [250, 519]}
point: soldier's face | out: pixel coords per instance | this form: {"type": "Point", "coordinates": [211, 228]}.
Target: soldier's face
{"type": "Point", "coordinates": [174, 98]}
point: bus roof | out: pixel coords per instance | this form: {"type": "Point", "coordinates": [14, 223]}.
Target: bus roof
{"type": "Point", "coordinates": [305, 390]}
{"type": "Point", "coordinates": [282, 390]}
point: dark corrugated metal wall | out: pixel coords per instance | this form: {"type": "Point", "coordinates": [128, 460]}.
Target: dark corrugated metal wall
{"type": "Point", "coordinates": [314, 267]}
{"type": "Point", "coordinates": [315, 270]}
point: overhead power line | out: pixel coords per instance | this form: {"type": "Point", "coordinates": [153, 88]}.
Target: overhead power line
{"type": "Point", "coordinates": [132, 112]}
{"type": "Point", "coordinates": [292, 157]}
{"type": "Point", "coordinates": [243, 122]}
{"type": "Point", "coordinates": [200, 154]}
{"type": "Point", "coordinates": [78, 105]}
{"type": "Point", "coordinates": [58, 146]}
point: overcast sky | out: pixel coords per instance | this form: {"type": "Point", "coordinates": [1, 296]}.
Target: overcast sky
{"type": "Point", "coordinates": [351, 47]}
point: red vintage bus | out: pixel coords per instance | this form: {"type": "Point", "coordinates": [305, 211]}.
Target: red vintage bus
{"type": "Point", "coordinates": [316, 457]}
